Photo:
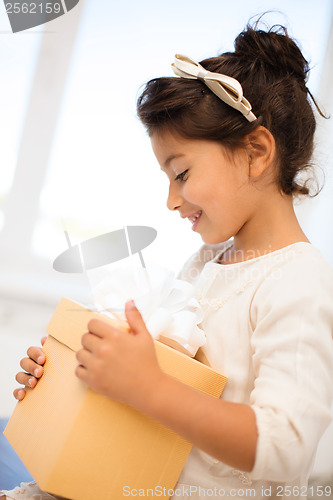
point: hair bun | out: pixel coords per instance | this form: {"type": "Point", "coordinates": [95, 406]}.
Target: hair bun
{"type": "Point", "coordinates": [273, 49]}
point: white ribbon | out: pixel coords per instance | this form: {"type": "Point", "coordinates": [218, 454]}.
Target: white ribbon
{"type": "Point", "coordinates": [167, 305]}
{"type": "Point", "coordinates": [228, 89]}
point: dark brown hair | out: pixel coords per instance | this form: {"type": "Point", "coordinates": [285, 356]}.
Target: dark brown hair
{"type": "Point", "coordinates": [273, 73]}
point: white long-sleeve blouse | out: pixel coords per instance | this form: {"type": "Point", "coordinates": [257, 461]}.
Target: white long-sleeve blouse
{"type": "Point", "coordinates": [269, 328]}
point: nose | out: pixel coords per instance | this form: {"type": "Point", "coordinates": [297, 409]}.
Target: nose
{"type": "Point", "coordinates": [175, 199]}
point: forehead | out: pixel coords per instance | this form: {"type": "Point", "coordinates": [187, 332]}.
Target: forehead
{"type": "Point", "coordinates": [164, 142]}
{"type": "Point", "coordinates": [168, 146]}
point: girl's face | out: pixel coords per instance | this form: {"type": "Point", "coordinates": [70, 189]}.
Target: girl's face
{"type": "Point", "coordinates": [209, 185]}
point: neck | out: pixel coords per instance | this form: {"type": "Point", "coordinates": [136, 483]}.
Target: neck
{"type": "Point", "coordinates": [272, 226]}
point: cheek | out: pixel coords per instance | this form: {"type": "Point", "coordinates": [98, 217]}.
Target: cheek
{"type": "Point", "coordinates": [225, 201]}
{"type": "Point", "coordinates": [218, 196]}
{"type": "Point", "coordinates": [192, 192]}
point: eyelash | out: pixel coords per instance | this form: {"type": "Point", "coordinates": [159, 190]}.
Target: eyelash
{"type": "Point", "coordinates": [180, 177]}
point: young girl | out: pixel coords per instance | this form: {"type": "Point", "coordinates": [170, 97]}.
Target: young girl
{"type": "Point", "coordinates": [265, 290]}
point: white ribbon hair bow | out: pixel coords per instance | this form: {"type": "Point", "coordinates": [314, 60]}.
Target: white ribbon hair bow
{"type": "Point", "coordinates": [228, 89]}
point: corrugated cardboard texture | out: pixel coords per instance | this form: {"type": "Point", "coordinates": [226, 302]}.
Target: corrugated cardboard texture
{"type": "Point", "coordinates": [83, 446]}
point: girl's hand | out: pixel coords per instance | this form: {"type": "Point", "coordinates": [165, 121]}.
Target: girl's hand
{"type": "Point", "coordinates": [33, 369]}
{"type": "Point", "coordinates": [117, 364]}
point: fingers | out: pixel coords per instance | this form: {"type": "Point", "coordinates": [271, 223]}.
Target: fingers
{"type": "Point", "coordinates": [32, 364]}
{"type": "Point", "coordinates": [82, 373]}
{"type": "Point", "coordinates": [31, 367]}
{"type": "Point", "coordinates": [134, 318]}
{"type": "Point", "coordinates": [26, 379]}
{"type": "Point", "coordinates": [90, 341]}
{"type": "Point", "coordinates": [36, 354]}
{"type": "Point", "coordinates": [83, 357]}
{"type": "Point", "coordinates": [33, 370]}
{"type": "Point", "coordinates": [19, 394]}
{"type": "Point", "coordinates": [100, 328]}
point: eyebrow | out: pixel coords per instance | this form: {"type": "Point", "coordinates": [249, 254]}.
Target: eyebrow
{"type": "Point", "coordinates": [172, 157]}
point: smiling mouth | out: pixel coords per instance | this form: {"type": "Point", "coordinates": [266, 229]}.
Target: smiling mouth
{"type": "Point", "coordinates": [193, 218]}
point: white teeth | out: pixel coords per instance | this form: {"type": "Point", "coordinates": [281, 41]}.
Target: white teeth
{"type": "Point", "coordinates": [193, 218]}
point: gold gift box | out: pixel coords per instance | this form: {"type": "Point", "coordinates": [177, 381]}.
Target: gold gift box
{"type": "Point", "coordinates": [80, 445]}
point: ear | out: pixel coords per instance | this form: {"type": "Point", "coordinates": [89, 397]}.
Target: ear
{"type": "Point", "coordinates": [260, 147]}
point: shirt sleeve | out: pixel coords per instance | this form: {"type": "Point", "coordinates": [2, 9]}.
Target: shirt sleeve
{"type": "Point", "coordinates": [291, 318]}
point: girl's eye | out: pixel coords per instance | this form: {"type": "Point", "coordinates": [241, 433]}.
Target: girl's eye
{"type": "Point", "coordinates": [180, 177]}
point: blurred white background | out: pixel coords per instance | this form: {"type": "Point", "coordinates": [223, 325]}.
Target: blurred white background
{"type": "Point", "coordinates": [73, 154]}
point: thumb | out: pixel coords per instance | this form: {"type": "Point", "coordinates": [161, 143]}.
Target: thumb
{"type": "Point", "coordinates": [134, 319]}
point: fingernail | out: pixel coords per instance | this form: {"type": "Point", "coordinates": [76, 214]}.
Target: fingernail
{"type": "Point", "coordinates": [30, 382]}
{"type": "Point", "coordinates": [36, 372]}
{"type": "Point", "coordinates": [40, 360]}
{"type": "Point", "coordinates": [20, 394]}
{"type": "Point", "coordinates": [130, 303]}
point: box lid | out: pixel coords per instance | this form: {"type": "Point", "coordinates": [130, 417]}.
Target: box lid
{"type": "Point", "coordinates": [69, 322]}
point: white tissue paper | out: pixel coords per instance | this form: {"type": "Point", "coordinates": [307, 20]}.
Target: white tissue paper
{"type": "Point", "coordinates": [167, 305]}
